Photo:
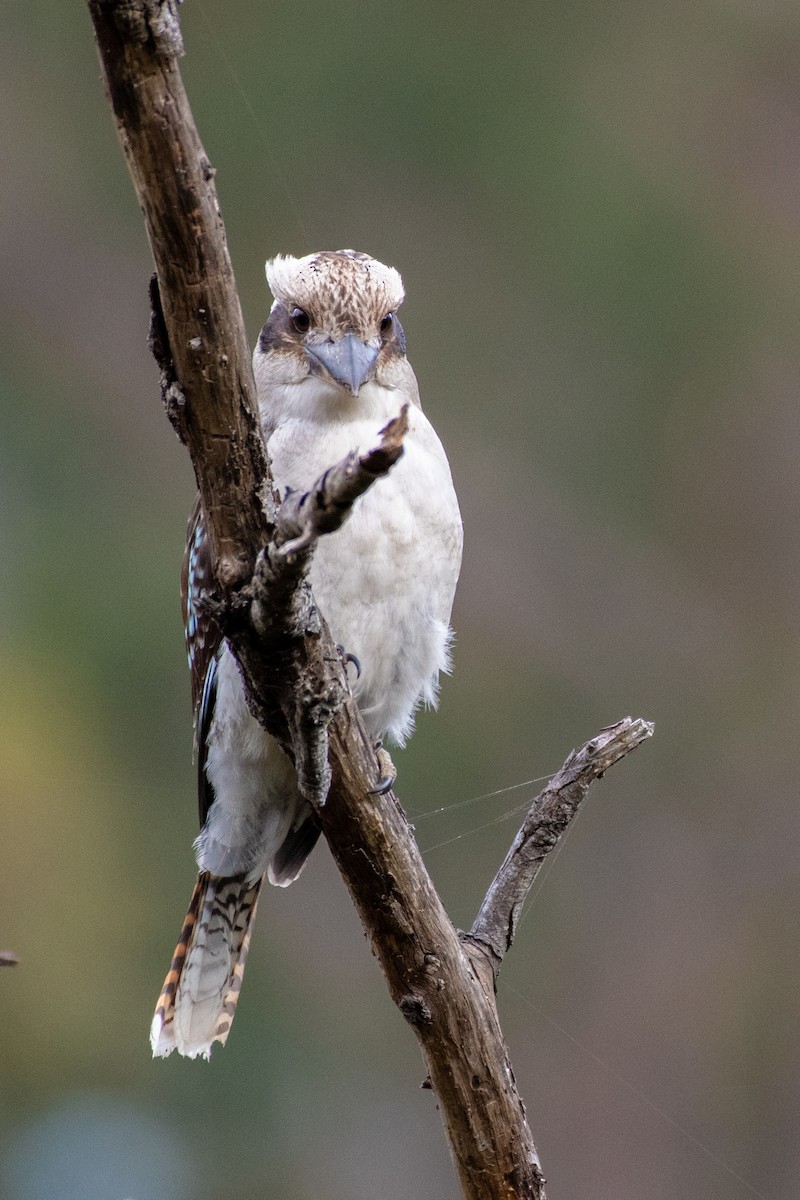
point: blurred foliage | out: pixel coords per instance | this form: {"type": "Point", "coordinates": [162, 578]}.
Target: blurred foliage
{"type": "Point", "coordinates": [595, 211]}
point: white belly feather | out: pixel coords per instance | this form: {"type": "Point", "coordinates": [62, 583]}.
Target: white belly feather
{"type": "Point", "coordinates": [385, 581]}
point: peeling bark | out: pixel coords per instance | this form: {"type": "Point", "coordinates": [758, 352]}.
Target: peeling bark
{"type": "Point", "coordinates": [548, 817]}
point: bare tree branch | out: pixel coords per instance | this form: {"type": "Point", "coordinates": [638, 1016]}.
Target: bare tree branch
{"type": "Point", "coordinates": [296, 686]}
{"type": "Point", "coordinates": [212, 390]}
{"type": "Point", "coordinates": [548, 817]}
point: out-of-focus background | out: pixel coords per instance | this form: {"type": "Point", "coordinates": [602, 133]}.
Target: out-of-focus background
{"type": "Point", "coordinates": [596, 212]}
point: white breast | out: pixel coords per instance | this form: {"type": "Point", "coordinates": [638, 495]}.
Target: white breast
{"type": "Point", "coordinates": [385, 581]}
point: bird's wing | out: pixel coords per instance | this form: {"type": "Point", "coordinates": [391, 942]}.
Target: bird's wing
{"type": "Point", "coordinates": [203, 642]}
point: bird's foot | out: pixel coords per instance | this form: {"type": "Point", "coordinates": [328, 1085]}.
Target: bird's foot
{"type": "Point", "coordinates": [349, 659]}
{"type": "Point", "coordinates": [387, 769]}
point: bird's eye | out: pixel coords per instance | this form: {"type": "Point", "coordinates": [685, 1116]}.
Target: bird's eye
{"type": "Point", "coordinates": [387, 322]}
{"type": "Point", "coordinates": [300, 320]}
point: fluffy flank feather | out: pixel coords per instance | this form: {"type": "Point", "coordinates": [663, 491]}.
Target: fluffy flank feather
{"type": "Point", "coordinates": [198, 1000]}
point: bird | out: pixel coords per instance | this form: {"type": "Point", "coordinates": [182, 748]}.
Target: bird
{"type": "Point", "coordinates": [331, 370]}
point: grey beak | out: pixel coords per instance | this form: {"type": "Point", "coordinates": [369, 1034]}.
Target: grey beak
{"type": "Point", "coordinates": [348, 361]}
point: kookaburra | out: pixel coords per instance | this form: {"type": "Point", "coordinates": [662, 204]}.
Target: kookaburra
{"type": "Point", "coordinates": [331, 370]}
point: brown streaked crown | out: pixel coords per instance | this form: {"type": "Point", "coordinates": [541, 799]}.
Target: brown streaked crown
{"type": "Point", "coordinates": [342, 291]}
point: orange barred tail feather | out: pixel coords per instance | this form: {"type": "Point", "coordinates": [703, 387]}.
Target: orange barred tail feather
{"type": "Point", "coordinates": [199, 996]}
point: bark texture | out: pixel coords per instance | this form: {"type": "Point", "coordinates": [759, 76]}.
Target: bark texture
{"type": "Point", "coordinates": [548, 817]}
{"type": "Point", "coordinates": [442, 982]}
{"type": "Point", "coordinates": [210, 391]}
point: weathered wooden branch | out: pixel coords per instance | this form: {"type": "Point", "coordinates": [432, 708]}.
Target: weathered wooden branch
{"type": "Point", "coordinates": [212, 393]}
{"type": "Point", "coordinates": [442, 983]}
{"type": "Point", "coordinates": [548, 817]}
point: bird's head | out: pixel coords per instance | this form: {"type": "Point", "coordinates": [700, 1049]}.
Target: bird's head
{"type": "Point", "coordinates": [334, 320]}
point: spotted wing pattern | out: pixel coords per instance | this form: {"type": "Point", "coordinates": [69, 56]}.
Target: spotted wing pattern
{"type": "Point", "coordinates": [203, 642]}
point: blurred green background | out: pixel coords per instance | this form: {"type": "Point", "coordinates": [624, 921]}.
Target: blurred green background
{"type": "Point", "coordinates": [595, 209]}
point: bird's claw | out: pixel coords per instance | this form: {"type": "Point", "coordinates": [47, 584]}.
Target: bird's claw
{"type": "Point", "coordinates": [348, 658]}
{"type": "Point", "coordinates": [387, 769]}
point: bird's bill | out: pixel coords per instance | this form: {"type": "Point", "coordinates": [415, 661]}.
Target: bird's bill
{"type": "Point", "coordinates": [348, 361]}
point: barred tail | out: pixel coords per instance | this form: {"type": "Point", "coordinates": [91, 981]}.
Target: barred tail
{"type": "Point", "coordinates": [199, 996]}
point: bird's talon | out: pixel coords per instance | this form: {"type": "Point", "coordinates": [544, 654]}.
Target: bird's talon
{"type": "Point", "coordinates": [348, 658]}
{"type": "Point", "coordinates": [387, 769]}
